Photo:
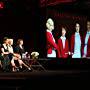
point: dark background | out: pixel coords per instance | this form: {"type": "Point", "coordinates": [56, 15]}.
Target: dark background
{"type": "Point", "coordinates": [21, 19]}
{"type": "Point", "coordinates": [30, 17]}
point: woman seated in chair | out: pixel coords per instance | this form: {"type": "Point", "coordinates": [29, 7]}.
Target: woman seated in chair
{"type": "Point", "coordinates": [4, 54]}
{"type": "Point", "coordinates": [15, 56]}
{"type": "Point", "coordinates": [20, 48]}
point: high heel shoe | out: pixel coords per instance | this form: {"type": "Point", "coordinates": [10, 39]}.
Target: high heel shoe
{"type": "Point", "coordinates": [17, 69]}
{"type": "Point", "coordinates": [29, 69]}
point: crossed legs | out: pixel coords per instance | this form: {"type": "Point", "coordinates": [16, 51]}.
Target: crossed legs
{"type": "Point", "coordinates": [20, 64]}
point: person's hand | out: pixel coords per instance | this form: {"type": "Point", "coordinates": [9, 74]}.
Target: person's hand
{"type": "Point", "coordinates": [26, 52]}
{"type": "Point", "coordinates": [69, 53]}
{"type": "Point", "coordinates": [84, 56]}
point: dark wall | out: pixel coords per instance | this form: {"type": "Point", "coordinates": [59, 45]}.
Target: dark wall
{"type": "Point", "coordinates": [21, 19]}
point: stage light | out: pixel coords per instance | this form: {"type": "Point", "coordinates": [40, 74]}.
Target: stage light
{"type": "Point", "coordinates": [1, 5]}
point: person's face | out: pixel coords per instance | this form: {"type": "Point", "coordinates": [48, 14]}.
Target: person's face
{"type": "Point", "coordinates": [63, 31]}
{"type": "Point", "coordinates": [21, 42]}
{"type": "Point", "coordinates": [11, 41]}
{"type": "Point", "coordinates": [88, 25]}
{"type": "Point", "coordinates": [77, 27]}
{"type": "Point", "coordinates": [50, 25]}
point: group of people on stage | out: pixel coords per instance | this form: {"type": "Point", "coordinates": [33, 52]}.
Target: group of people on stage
{"type": "Point", "coordinates": [9, 55]}
{"type": "Point", "coordinates": [78, 48]}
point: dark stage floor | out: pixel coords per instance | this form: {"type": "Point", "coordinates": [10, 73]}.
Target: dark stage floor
{"type": "Point", "coordinates": [41, 74]}
{"type": "Point", "coordinates": [57, 75]}
{"type": "Point", "coordinates": [44, 79]}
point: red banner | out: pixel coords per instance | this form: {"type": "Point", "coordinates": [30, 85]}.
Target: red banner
{"type": "Point", "coordinates": [54, 2]}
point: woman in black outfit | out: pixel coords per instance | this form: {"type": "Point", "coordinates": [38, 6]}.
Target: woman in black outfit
{"type": "Point", "coordinates": [4, 54]}
{"type": "Point", "coordinates": [19, 49]}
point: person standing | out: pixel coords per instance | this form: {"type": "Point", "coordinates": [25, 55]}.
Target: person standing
{"type": "Point", "coordinates": [76, 43]}
{"type": "Point", "coordinates": [52, 47]}
{"type": "Point", "coordinates": [63, 44]}
{"type": "Point", "coordinates": [86, 47]}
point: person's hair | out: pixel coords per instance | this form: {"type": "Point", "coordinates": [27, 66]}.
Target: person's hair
{"type": "Point", "coordinates": [77, 23]}
{"type": "Point", "coordinates": [18, 41]}
{"type": "Point", "coordinates": [10, 39]}
{"type": "Point", "coordinates": [64, 28]}
{"type": "Point", "coordinates": [5, 38]}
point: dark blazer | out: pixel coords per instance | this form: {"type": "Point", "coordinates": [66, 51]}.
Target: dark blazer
{"type": "Point", "coordinates": [19, 50]}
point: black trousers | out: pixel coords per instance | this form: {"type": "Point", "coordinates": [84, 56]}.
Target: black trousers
{"type": "Point", "coordinates": [5, 60]}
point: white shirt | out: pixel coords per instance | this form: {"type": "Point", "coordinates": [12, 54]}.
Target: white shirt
{"type": "Point", "coordinates": [77, 46]}
{"type": "Point", "coordinates": [63, 40]}
{"type": "Point", "coordinates": [86, 41]}
{"type": "Point", "coordinates": [10, 49]}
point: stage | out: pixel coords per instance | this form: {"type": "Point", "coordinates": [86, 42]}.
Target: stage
{"type": "Point", "coordinates": [40, 74]}
{"type": "Point", "coordinates": [57, 75]}
{"type": "Point", "coordinates": [45, 79]}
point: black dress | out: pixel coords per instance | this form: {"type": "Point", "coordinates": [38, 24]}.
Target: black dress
{"type": "Point", "coordinates": [19, 50]}
{"type": "Point", "coordinates": [5, 59]}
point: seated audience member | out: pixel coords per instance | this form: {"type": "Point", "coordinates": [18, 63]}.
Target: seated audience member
{"type": "Point", "coordinates": [20, 48]}
{"type": "Point", "coordinates": [63, 44]}
{"type": "Point", "coordinates": [4, 55]}
{"type": "Point", "coordinates": [76, 43]}
{"type": "Point", "coordinates": [86, 47]}
{"type": "Point", "coordinates": [15, 56]}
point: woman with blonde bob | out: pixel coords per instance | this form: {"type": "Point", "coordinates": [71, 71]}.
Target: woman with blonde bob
{"type": "Point", "coordinates": [15, 56]}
